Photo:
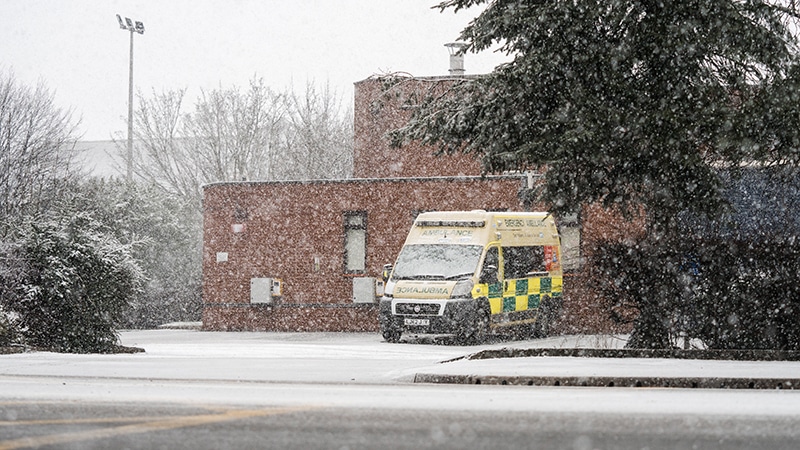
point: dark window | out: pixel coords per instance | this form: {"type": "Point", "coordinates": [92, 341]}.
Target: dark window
{"type": "Point", "coordinates": [518, 262]}
{"type": "Point", "coordinates": [490, 271]}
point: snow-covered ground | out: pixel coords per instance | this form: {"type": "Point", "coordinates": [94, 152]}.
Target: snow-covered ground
{"type": "Point", "coordinates": [361, 370]}
{"type": "Point", "coordinates": [357, 357]}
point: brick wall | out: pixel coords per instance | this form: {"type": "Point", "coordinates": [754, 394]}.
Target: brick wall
{"type": "Point", "coordinates": [381, 105]}
{"type": "Point", "coordinates": [585, 310]}
{"type": "Point", "coordinates": [288, 226]}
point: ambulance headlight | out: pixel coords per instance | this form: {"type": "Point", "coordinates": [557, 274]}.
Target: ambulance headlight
{"type": "Point", "coordinates": [462, 289]}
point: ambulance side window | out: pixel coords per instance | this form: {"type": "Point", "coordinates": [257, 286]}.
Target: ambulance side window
{"type": "Point", "coordinates": [490, 262]}
{"type": "Point", "coordinates": [518, 262]}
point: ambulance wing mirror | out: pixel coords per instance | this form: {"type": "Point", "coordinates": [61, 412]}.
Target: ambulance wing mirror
{"type": "Point", "coordinates": [488, 274]}
{"type": "Point", "coordinates": [387, 271]}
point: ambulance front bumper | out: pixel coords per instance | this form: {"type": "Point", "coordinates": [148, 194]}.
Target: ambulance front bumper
{"type": "Point", "coordinates": [420, 316]}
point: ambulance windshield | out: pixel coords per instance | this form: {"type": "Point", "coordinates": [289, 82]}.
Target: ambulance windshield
{"type": "Point", "coordinates": [437, 262]}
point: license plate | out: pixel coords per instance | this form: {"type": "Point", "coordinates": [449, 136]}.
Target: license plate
{"type": "Point", "coordinates": [417, 322]}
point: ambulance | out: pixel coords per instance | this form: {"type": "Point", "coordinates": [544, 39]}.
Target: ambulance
{"type": "Point", "coordinates": [472, 273]}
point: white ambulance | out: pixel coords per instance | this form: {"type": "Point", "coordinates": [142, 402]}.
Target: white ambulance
{"type": "Point", "coordinates": [468, 273]}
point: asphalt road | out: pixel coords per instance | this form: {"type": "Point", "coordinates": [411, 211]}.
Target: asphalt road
{"type": "Point", "coordinates": [145, 425]}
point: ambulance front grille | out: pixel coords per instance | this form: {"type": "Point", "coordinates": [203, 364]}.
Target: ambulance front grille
{"type": "Point", "coordinates": [417, 309]}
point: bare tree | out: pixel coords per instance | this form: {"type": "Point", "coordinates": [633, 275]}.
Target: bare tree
{"type": "Point", "coordinates": [37, 149]}
{"type": "Point", "coordinates": [319, 139]}
{"type": "Point", "coordinates": [162, 155]}
{"type": "Point", "coordinates": [234, 133]}
{"type": "Point", "coordinates": [231, 135]}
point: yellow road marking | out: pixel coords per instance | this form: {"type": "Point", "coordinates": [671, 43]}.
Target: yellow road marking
{"type": "Point", "coordinates": [13, 423]}
{"type": "Point", "coordinates": [148, 424]}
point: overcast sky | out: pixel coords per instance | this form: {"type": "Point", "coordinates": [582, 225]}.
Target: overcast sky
{"type": "Point", "coordinates": [78, 50]}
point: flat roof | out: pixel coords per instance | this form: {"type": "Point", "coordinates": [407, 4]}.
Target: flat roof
{"type": "Point", "coordinates": [374, 180]}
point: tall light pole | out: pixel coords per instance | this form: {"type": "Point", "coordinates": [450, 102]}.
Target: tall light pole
{"type": "Point", "coordinates": [137, 27]}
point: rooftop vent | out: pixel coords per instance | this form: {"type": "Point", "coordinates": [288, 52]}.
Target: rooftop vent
{"type": "Point", "coordinates": [456, 57]}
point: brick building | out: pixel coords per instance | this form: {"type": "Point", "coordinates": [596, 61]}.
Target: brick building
{"type": "Point", "coordinates": [321, 239]}
{"type": "Point", "coordinates": [327, 241]}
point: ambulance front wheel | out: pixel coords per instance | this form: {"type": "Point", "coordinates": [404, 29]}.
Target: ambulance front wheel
{"type": "Point", "coordinates": [477, 330]}
{"type": "Point", "coordinates": [389, 330]}
{"type": "Point", "coordinates": [391, 335]}
{"type": "Point", "coordinates": [481, 325]}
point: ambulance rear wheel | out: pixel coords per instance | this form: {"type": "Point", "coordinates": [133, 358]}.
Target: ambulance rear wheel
{"type": "Point", "coordinates": [541, 328]}
{"type": "Point", "coordinates": [481, 326]}
{"type": "Point", "coordinates": [549, 310]}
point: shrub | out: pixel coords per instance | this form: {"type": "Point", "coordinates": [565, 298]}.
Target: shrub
{"type": "Point", "coordinates": [730, 294]}
{"type": "Point", "coordinates": [75, 283]}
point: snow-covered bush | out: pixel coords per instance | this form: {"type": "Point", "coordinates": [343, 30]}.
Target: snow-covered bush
{"type": "Point", "coordinates": [74, 283]}
{"type": "Point", "coordinates": [10, 272]}
{"type": "Point", "coordinates": [646, 276]}
{"type": "Point", "coordinates": [730, 294]}
{"type": "Point", "coordinates": [9, 327]}
{"type": "Point", "coordinates": [747, 296]}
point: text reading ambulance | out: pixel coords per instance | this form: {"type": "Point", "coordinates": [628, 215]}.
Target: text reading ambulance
{"type": "Point", "coordinates": [467, 273]}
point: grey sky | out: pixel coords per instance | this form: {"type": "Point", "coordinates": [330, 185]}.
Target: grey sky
{"type": "Point", "coordinates": [78, 50]}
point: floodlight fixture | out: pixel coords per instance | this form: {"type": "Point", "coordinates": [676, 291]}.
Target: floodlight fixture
{"type": "Point", "coordinates": [130, 24]}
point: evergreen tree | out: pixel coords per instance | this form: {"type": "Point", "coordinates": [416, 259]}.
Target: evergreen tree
{"type": "Point", "coordinates": [627, 103]}
{"type": "Point", "coordinates": [70, 285]}
{"type": "Point", "coordinates": [624, 102]}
